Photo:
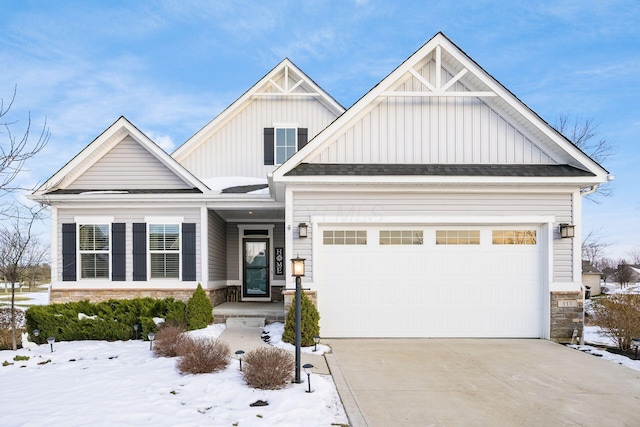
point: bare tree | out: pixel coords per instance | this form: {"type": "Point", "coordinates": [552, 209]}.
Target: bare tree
{"type": "Point", "coordinates": [583, 133]}
{"type": "Point", "coordinates": [624, 274]}
{"type": "Point", "coordinates": [593, 248]}
{"type": "Point", "coordinates": [19, 250]}
{"type": "Point", "coordinates": [15, 150]}
{"type": "Point", "coordinates": [634, 256]}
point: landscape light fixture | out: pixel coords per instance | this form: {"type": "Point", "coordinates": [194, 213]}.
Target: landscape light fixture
{"type": "Point", "coordinates": [316, 340]}
{"type": "Point", "coordinates": [51, 340]}
{"type": "Point", "coordinates": [567, 231]}
{"type": "Point", "coordinates": [135, 328]}
{"type": "Point", "coordinates": [302, 230]}
{"type": "Point", "coordinates": [307, 369]}
{"type": "Point", "coordinates": [239, 353]}
{"type": "Point", "coordinates": [636, 342]}
{"type": "Point", "coordinates": [36, 333]}
{"type": "Point", "coordinates": [151, 336]}
{"type": "Point", "coordinates": [297, 269]}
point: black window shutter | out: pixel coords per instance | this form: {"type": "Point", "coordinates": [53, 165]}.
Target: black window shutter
{"type": "Point", "coordinates": [118, 257]}
{"type": "Point", "coordinates": [269, 142]}
{"type": "Point", "coordinates": [139, 251]}
{"type": "Point", "coordinates": [68, 252]}
{"type": "Point", "coordinates": [303, 137]}
{"type": "Point", "coordinates": [188, 252]}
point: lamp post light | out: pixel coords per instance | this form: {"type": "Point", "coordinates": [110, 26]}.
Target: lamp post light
{"type": "Point", "coordinates": [239, 353]}
{"type": "Point", "coordinates": [297, 269]}
{"type": "Point", "coordinates": [636, 342]}
{"type": "Point", "coordinates": [51, 340]}
{"type": "Point", "coordinates": [151, 336]}
{"type": "Point", "coordinates": [36, 333]}
{"type": "Point", "coordinates": [316, 340]}
{"type": "Point", "coordinates": [307, 370]}
{"type": "Point", "coordinates": [135, 328]}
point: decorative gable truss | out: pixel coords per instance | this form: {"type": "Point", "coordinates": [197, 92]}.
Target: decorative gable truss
{"type": "Point", "coordinates": [440, 108]}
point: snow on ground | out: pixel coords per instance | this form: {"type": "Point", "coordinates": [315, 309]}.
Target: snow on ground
{"type": "Point", "coordinates": [275, 331]}
{"type": "Point", "coordinates": [101, 383]}
{"type": "Point", "coordinates": [33, 298]}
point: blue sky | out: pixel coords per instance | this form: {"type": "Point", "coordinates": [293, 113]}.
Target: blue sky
{"type": "Point", "coordinates": [171, 66]}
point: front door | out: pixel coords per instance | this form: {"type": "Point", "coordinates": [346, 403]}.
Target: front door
{"type": "Point", "coordinates": [255, 258]}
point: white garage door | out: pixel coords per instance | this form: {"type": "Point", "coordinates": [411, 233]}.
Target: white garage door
{"type": "Point", "coordinates": [430, 281]}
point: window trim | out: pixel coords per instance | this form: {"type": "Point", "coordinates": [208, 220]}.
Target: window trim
{"type": "Point", "coordinates": [284, 126]}
{"type": "Point", "coordinates": [167, 221]}
{"type": "Point", "coordinates": [95, 221]}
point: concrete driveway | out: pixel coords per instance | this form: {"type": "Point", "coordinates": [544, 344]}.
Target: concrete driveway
{"type": "Point", "coordinates": [471, 382]}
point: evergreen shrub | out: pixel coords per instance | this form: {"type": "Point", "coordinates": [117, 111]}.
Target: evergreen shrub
{"type": "Point", "coordinates": [310, 325]}
{"type": "Point", "coordinates": [199, 310]}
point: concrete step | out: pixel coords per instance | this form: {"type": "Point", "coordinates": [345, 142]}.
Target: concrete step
{"type": "Point", "coordinates": [246, 322]}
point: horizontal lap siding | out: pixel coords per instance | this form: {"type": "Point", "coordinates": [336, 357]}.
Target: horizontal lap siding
{"type": "Point", "coordinates": [130, 216]}
{"type": "Point", "coordinates": [217, 242]}
{"type": "Point", "coordinates": [236, 148]}
{"type": "Point", "coordinates": [128, 166]}
{"type": "Point", "coordinates": [350, 205]}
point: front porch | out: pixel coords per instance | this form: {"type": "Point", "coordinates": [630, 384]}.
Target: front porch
{"type": "Point", "coordinates": [270, 311]}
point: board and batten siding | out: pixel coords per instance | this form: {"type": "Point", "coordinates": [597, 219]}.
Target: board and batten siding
{"type": "Point", "coordinates": [352, 205]}
{"type": "Point", "coordinates": [440, 130]}
{"type": "Point", "coordinates": [128, 165]}
{"type": "Point", "coordinates": [217, 242]}
{"type": "Point", "coordinates": [236, 148]}
{"type": "Point", "coordinates": [128, 216]}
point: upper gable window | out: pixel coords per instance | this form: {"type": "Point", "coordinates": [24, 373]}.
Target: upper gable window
{"type": "Point", "coordinates": [286, 144]}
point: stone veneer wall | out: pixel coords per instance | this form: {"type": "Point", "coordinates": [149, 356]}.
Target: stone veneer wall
{"type": "Point", "coordinates": [58, 296]}
{"type": "Point", "coordinates": [566, 315]}
{"type": "Point", "coordinates": [289, 295]}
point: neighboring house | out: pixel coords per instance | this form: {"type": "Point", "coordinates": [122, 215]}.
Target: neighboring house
{"type": "Point", "coordinates": [591, 277]}
{"type": "Point", "coordinates": [433, 206]}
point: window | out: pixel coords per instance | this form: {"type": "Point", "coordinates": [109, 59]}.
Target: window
{"type": "Point", "coordinates": [401, 237]}
{"type": "Point", "coordinates": [94, 251]}
{"type": "Point", "coordinates": [285, 144]}
{"type": "Point", "coordinates": [457, 237]}
{"type": "Point", "coordinates": [514, 237]}
{"type": "Point", "coordinates": [164, 251]}
{"type": "Point", "coordinates": [344, 237]}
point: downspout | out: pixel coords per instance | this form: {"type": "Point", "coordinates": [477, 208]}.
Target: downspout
{"type": "Point", "coordinates": [584, 192]}
{"type": "Point", "coordinates": [588, 190]}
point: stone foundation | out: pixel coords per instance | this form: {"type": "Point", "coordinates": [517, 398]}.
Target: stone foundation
{"type": "Point", "coordinates": [289, 295]}
{"type": "Point", "coordinates": [566, 315]}
{"type": "Point", "coordinates": [59, 296]}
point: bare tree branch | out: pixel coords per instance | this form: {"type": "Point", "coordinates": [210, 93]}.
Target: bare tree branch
{"type": "Point", "coordinates": [593, 248]}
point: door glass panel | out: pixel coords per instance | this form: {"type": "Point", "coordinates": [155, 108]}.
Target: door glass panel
{"type": "Point", "coordinates": [256, 269]}
{"type": "Point", "coordinates": [255, 254]}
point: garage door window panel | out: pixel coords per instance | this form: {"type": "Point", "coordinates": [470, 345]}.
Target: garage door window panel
{"type": "Point", "coordinates": [457, 237]}
{"type": "Point", "coordinates": [344, 237]}
{"type": "Point", "coordinates": [401, 237]}
{"type": "Point", "coordinates": [514, 237]}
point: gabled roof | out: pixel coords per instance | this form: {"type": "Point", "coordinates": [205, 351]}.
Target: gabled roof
{"type": "Point", "coordinates": [295, 83]}
{"type": "Point", "coordinates": [449, 60]}
{"type": "Point", "coordinates": [101, 146]}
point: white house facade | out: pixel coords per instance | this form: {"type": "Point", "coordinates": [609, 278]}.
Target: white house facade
{"type": "Point", "coordinates": [433, 206]}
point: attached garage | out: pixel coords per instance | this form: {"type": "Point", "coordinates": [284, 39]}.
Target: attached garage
{"type": "Point", "coordinates": [430, 280]}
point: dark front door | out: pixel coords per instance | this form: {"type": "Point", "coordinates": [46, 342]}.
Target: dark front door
{"type": "Point", "coordinates": [255, 258]}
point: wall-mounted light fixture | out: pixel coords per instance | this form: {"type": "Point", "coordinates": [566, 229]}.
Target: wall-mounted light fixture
{"type": "Point", "coordinates": [302, 230]}
{"type": "Point", "coordinates": [567, 230]}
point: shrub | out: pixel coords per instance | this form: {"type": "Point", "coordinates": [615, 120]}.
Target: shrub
{"type": "Point", "coordinates": [203, 355]}
{"type": "Point", "coordinates": [268, 368]}
{"type": "Point", "coordinates": [619, 317]}
{"type": "Point", "coordinates": [199, 310]}
{"type": "Point", "coordinates": [309, 326]}
{"type": "Point", "coordinates": [168, 340]}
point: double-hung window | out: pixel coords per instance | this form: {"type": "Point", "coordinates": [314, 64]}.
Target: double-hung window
{"type": "Point", "coordinates": [286, 144]}
{"type": "Point", "coordinates": [164, 251]}
{"type": "Point", "coordinates": [94, 247]}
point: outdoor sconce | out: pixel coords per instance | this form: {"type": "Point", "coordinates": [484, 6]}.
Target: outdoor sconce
{"type": "Point", "coordinates": [239, 353]}
{"type": "Point", "coordinates": [36, 333]}
{"type": "Point", "coordinates": [316, 340]}
{"type": "Point", "coordinates": [297, 271]}
{"type": "Point", "coordinates": [307, 370]}
{"type": "Point", "coordinates": [51, 340]}
{"type": "Point", "coordinates": [151, 336]}
{"type": "Point", "coordinates": [567, 230]}
{"type": "Point", "coordinates": [135, 328]}
{"type": "Point", "coordinates": [302, 230]}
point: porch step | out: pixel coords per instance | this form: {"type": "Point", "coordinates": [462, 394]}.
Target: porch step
{"type": "Point", "coordinates": [246, 322]}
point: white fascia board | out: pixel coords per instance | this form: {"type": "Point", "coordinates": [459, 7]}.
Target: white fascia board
{"type": "Point", "coordinates": [236, 107]}
{"type": "Point", "coordinates": [480, 189]}
{"type": "Point", "coordinates": [436, 219]}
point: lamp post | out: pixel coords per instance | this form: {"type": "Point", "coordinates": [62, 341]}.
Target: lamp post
{"type": "Point", "coordinates": [135, 328]}
{"type": "Point", "coordinates": [36, 333]}
{"type": "Point", "coordinates": [51, 340]}
{"type": "Point", "coordinates": [239, 353]}
{"type": "Point", "coordinates": [297, 270]}
{"type": "Point", "coordinates": [307, 370]}
{"type": "Point", "coordinates": [151, 336]}
{"type": "Point", "coordinates": [316, 340]}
